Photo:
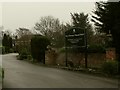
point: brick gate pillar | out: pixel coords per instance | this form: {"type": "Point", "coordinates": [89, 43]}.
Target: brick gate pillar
{"type": "Point", "coordinates": [110, 54]}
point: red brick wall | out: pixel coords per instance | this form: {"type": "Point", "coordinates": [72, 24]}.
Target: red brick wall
{"type": "Point", "coordinates": [94, 59]}
{"type": "Point", "coordinates": [50, 57]}
{"type": "Point", "coordinates": [78, 59]}
{"type": "Point", "coordinates": [110, 54]}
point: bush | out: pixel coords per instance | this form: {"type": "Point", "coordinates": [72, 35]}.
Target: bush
{"type": "Point", "coordinates": [96, 48]}
{"type": "Point", "coordinates": [38, 46]}
{"type": "Point", "coordinates": [70, 64]}
{"type": "Point", "coordinates": [2, 50]}
{"type": "Point", "coordinates": [29, 57]}
{"type": "Point", "coordinates": [61, 50]}
{"type": "Point", "coordinates": [23, 54]}
{"type": "Point", "coordinates": [7, 49]}
{"type": "Point", "coordinates": [71, 50]}
{"type": "Point", "coordinates": [11, 50]}
{"type": "Point", "coordinates": [90, 49]}
{"type": "Point", "coordinates": [110, 67]}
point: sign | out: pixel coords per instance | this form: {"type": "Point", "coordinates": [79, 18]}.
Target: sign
{"type": "Point", "coordinates": [75, 37]}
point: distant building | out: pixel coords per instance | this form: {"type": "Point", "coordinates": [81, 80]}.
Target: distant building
{"type": "Point", "coordinates": [23, 42]}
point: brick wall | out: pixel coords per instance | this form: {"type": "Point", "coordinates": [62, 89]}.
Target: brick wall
{"type": "Point", "coordinates": [78, 59]}
{"type": "Point", "coordinates": [94, 59]}
{"type": "Point", "coordinates": [110, 54]}
{"type": "Point", "coordinates": [50, 57]}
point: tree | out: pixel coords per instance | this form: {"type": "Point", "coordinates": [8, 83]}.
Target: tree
{"type": "Point", "coordinates": [22, 40]}
{"type": "Point", "coordinates": [51, 28]}
{"type": "Point", "coordinates": [7, 42]}
{"type": "Point", "coordinates": [107, 19]}
{"type": "Point", "coordinates": [47, 25]}
{"type": "Point", "coordinates": [1, 35]}
{"type": "Point", "coordinates": [22, 32]}
{"type": "Point", "coordinates": [81, 20]}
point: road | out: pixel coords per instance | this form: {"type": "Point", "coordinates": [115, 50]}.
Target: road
{"type": "Point", "coordinates": [0, 71]}
{"type": "Point", "coordinates": [21, 74]}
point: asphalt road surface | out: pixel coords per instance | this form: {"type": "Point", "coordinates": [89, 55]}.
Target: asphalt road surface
{"type": "Point", "coordinates": [21, 74]}
{"type": "Point", "coordinates": [0, 72]}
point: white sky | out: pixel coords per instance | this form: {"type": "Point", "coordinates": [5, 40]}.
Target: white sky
{"type": "Point", "coordinates": [0, 14]}
{"type": "Point", "coordinates": [26, 14]}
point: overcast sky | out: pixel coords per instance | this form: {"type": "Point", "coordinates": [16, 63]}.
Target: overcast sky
{"type": "Point", "coordinates": [15, 15]}
{"type": "Point", "coordinates": [0, 14]}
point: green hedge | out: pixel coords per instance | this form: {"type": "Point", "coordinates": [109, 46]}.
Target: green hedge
{"type": "Point", "coordinates": [110, 67]}
{"type": "Point", "coordinates": [96, 49]}
{"type": "Point", "coordinates": [2, 50]}
{"type": "Point", "coordinates": [23, 54]}
{"type": "Point", "coordinates": [90, 49]}
{"type": "Point", "coordinates": [38, 46]}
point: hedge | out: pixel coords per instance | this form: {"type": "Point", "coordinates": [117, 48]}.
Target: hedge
{"type": "Point", "coordinates": [38, 46]}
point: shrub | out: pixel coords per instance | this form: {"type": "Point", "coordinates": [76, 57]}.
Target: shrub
{"type": "Point", "coordinates": [11, 50]}
{"type": "Point", "coordinates": [23, 54]}
{"type": "Point", "coordinates": [90, 49]}
{"type": "Point", "coordinates": [2, 50]}
{"type": "Point", "coordinates": [62, 49]}
{"type": "Point", "coordinates": [70, 63]}
{"type": "Point", "coordinates": [71, 50]}
{"type": "Point", "coordinates": [29, 57]}
{"type": "Point", "coordinates": [38, 46]}
{"type": "Point", "coordinates": [110, 67]}
{"type": "Point", "coordinates": [96, 48]}
{"type": "Point", "coordinates": [7, 49]}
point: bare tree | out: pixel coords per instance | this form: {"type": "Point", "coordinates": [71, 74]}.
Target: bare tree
{"type": "Point", "coordinates": [20, 32]}
{"type": "Point", "coordinates": [51, 28]}
{"type": "Point", "coordinates": [1, 31]}
{"type": "Point", "coordinates": [47, 25]}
